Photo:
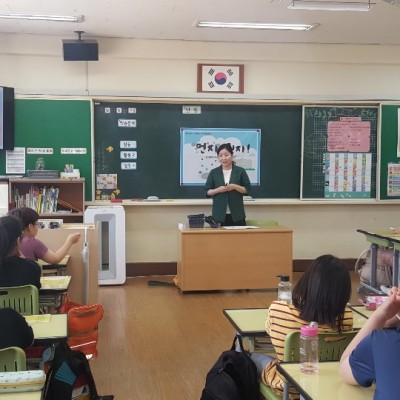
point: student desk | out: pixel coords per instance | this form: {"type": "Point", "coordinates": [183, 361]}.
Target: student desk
{"type": "Point", "coordinates": [49, 327]}
{"type": "Point", "coordinates": [326, 385]}
{"type": "Point", "coordinates": [250, 322]}
{"type": "Point", "coordinates": [60, 267]}
{"type": "Point", "coordinates": [222, 259]}
{"type": "Point", "coordinates": [53, 287]}
{"type": "Point", "coordinates": [37, 395]}
{"type": "Point", "coordinates": [384, 238]}
{"type": "Point", "coordinates": [250, 325]}
{"type": "Point", "coordinates": [360, 310]}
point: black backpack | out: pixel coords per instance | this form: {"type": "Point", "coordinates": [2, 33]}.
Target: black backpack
{"type": "Point", "coordinates": [233, 377]}
{"type": "Point", "coordinates": [69, 375]}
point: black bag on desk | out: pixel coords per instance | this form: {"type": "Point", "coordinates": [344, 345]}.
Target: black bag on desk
{"type": "Point", "coordinates": [233, 377]}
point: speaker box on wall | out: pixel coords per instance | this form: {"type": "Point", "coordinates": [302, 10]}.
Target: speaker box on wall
{"type": "Point", "coordinates": [6, 118]}
{"type": "Point", "coordinates": [80, 50]}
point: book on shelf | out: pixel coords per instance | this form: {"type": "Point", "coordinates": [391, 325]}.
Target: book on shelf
{"type": "Point", "coordinates": [44, 200]}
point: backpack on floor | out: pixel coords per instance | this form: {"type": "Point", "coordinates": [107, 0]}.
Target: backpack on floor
{"type": "Point", "coordinates": [233, 377]}
{"type": "Point", "coordinates": [384, 266]}
{"type": "Point", "coordinates": [70, 377]}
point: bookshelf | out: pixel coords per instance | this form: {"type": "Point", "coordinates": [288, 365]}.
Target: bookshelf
{"type": "Point", "coordinates": [52, 198]}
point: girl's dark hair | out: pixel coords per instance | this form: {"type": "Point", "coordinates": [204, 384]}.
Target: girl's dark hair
{"type": "Point", "coordinates": [323, 291]}
{"type": "Point", "coordinates": [10, 231]}
{"type": "Point", "coordinates": [26, 214]}
{"type": "Point", "coordinates": [226, 146]}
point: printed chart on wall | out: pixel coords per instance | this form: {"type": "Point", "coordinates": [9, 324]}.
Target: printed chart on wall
{"type": "Point", "coordinates": [390, 152]}
{"type": "Point", "coordinates": [198, 152]}
{"type": "Point", "coordinates": [339, 151]}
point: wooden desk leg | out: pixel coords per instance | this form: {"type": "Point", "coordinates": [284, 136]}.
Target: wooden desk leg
{"type": "Point", "coordinates": [286, 391]}
{"type": "Point", "coordinates": [395, 281]}
{"type": "Point", "coordinates": [374, 258]}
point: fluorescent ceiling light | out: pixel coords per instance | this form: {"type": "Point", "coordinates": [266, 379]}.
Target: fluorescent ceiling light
{"type": "Point", "coordinates": [38, 17]}
{"type": "Point", "coordinates": [255, 25]}
{"type": "Point", "coordinates": [393, 2]}
{"type": "Point", "coordinates": [326, 5]}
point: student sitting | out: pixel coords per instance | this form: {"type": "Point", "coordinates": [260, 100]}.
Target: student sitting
{"type": "Point", "coordinates": [34, 249]}
{"type": "Point", "coordinates": [14, 269]}
{"type": "Point", "coordinates": [374, 353]}
{"type": "Point", "coordinates": [14, 330]}
{"type": "Point", "coordinates": [321, 296]}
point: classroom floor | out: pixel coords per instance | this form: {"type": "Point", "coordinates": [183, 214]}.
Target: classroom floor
{"type": "Point", "coordinates": [156, 343]}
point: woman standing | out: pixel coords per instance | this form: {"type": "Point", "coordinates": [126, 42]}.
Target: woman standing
{"type": "Point", "coordinates": [226, 185]}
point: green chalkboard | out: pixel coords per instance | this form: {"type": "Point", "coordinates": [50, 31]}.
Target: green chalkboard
{"type": "Point", "coordinates": [157, 136]}
{"type": "Point", "coordinates": [329, 154]}
{"type": "Point", "coordinates": [389, 151]}
{"type": "Point", "coordinates": [54, 124]}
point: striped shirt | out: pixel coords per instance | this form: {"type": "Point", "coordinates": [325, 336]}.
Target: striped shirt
{"type": "Point", "coordinates": [281, 319]}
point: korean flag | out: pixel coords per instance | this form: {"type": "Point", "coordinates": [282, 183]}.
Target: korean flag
{"type": "Point", "coordinates": [221, 78]}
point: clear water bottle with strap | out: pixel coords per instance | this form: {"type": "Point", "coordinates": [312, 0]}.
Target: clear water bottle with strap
{"type": "Point", "coordinates": [285, 289]}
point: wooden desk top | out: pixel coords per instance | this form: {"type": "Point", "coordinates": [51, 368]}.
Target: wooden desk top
{"type": "Point", "coordinates": [48, 326]}
{"type": "Point", "coordinates": [248, 321]}
{"type": "Point", "coordinates": [21, 396]}
{"type": "Point", "coordinates": [361, 310]}
{"type": "Point", "coordinates": [55, 283]}
{"type": "Point", "coordinates": [251, 321]}
{"type": "Point", "coordinates": [381, 237]}
{"type": "Point", "coordinates": [222, 230]}
{"type": "Point", "coordinates": [62, 263]}
{"type": "Point", "coordinates": [326, 385]}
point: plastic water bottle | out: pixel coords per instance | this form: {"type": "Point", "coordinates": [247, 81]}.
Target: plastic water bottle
{"type": "Point", "coordinates": [309, 354]}
{"type": "Point", "coordinates": [285, 289]}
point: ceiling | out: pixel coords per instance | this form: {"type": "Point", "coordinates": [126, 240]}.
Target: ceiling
{"type": "Point", "coordinates": [175, 19]}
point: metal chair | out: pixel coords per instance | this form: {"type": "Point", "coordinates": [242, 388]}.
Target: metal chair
{"type": "Point", "coordinates": [330, 346]}
{"type": "Point", "coordinates": [12, 359]}
{"type": "Point", "coordinates": [24, 299]}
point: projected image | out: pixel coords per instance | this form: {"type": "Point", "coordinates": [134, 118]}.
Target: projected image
{"type": "Point", "coordinates": [1, 116]}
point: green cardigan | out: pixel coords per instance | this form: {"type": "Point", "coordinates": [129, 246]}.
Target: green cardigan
{"type": "Point", "coordinates": [215, 179]}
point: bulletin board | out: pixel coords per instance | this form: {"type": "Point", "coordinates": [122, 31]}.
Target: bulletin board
{"type": "Point", "coordinates": [390, 152]}
{"type": "Point", "coordinates": [339, 152]}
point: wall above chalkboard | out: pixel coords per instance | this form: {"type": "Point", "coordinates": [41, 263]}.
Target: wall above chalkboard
{"type": "Point", "coordinates": [151, 167]}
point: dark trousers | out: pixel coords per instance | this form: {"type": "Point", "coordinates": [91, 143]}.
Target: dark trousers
{"type": "Point", "coordinates": [229, 221]}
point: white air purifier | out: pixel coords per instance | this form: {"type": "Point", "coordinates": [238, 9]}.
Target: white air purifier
{"type": "Point", "coordinates": [111, 223]}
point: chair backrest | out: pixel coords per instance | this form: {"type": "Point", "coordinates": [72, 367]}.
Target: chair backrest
{"type": "Point", "coordinates": [24, 299]}
{"type": "Point", "coordinates": [330, 345]}
{"type": "Point", "coordinates": [83, 333]}
{"type": "Point", "coordinates": [12, 359]}
{"type": "Point", "coordinates": [262, 222]}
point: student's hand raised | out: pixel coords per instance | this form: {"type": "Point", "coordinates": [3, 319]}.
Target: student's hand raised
{"type": "Point", "coordinates": [390, 307]}
{"type": "Point", "coordinates": [73, 238]}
